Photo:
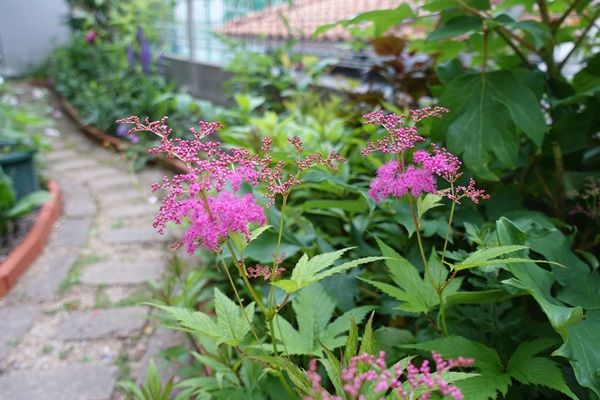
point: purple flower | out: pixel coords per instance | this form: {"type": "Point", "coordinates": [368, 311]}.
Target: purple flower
{"type": "Point", "coordinates": [122, 130]}
{"type": "Point", "coordinates": [145, 50]}
{"type": "Point", "coordinates": [130, 56]}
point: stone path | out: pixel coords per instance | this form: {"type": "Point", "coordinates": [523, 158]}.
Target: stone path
{"type": "Point", "coordinates": [73, 326]}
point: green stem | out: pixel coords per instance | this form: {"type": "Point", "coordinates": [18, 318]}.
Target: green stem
{"type": "Point", "coordinates": [449, 228]}
{"type": "Point", "coordinates": [237, 296]}
{"type": "Point", "coordinates": [244, 276]}
{"type": "Point", "coordinates": [442, 313]}
{"type": "Point", "coordinates": [273, 337]}
{"type": "Point", "coordinates": [420, 241]}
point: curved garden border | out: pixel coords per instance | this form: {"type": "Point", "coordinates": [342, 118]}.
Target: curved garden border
{"type": "Point", "coordinates": [28, 250]}
{"type": "Point", "coordinates": [113, 142]}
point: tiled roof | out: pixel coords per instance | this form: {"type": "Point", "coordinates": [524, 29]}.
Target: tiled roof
{"type": "Point", "coordinates": [304, 17]}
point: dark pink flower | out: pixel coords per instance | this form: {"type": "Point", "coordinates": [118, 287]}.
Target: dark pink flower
{"type": "Point", "coordinates": [91, 37]}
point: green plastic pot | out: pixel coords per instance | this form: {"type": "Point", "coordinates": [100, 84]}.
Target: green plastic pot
{"type": "Point", "coordinates": [20, 167]}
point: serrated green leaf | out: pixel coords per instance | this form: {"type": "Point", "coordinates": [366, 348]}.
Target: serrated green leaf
{"type": "Point", "coordinates": [488, 256]}
{"type": "Point", "coordinates": [487, 362]}
{"type": "Point", "coordinates": [232, 324]}
{"type": "Point", "coordinates": [530, 370]}
{"type": "Point", "coordinates": [416, 294]}
{"type": "Point", "coordinates": [314, 309]}
{"type": "Point", "coordinates": [352, 341]}
{"type": "Point", "coordinates": [487, 110]}
{"type": "Point", "coordinates": [308, 271]}
{"type": "Point", "coordinates": [582, 351]}
{"type": "Point", "coordinates": [428, 202]}
{"type": "Point", "coordinates": [196, 322]}
{"type": "Point", "coordinates": [367, 344]}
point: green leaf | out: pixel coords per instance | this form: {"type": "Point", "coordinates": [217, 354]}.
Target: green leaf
{"type": "Point", "coordinates": [314, 309]}
{"type": "Point", "coordinates": [240, 241]}
{"type": "Point", "coordinates": [367, 344]}
{"type": "Point", "coordinates": [308, 271]}
{"type": "Point", "coordinates": [536, 281]}
{"type": "Point", "coordinates": [487, 362]}
{"type": "Point", "coordinates": [28, 203]}
{"type": "Point", "coordinates": [486, 112]}
{"type": "Point", "coordinates": [428, 202]}
{"type": "Point", "coordinates": [352, 206]}
{"type": "Point", "coordinates": [478, 297]}
{"type": "Point", "coordinates": [456, 26]}
{"type": "Point", "coordinates": [582, 350]}
{"type": "Point", "coordinates": [232, 324]}
{"type": "Point", "coordinates": [539, 32]}
{"type": "Point", "coordinates": [381, 20]}
{"type": "Point", "coordinates": [333, 367]}
{"type": "Point", "coordinates": [196, 322]}
{"type": "Point", "coordinates": [352, 341]}
{"type": "Point", "coordinates": [530, 370]}
{"type": "Point", "coordinates": [414, 292]}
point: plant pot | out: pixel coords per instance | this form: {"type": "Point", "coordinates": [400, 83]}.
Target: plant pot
{"type": "Point", "coordinates": [20, 167]}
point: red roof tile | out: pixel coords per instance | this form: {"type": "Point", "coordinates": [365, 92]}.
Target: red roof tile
{"type": "Point", "coordinates": [304, 17]}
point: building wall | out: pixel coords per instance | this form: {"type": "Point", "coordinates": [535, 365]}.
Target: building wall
{"type": "Point", "coordinates": [29, 30]}
{"type": "Point", "coordinates": [204, 81]}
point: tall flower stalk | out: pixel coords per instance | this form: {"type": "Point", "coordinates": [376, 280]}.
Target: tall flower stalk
{"type": "Point", "coordinates": [420, 176]}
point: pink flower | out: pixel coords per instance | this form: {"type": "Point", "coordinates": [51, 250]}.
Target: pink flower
{"type": "Point", "coordinates": [391, 182]}
{"type": "Point", "coordinates": [228, 213]}
{"type": "Point", "coordinates": [441, 162]}
{"type": "Point", "coordinates": [366, 368]}
{"type": "Point", "coordinates": [91, 37]}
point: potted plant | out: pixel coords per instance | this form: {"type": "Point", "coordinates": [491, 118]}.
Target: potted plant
{"type": "Point", "coordinates": [20, 139]}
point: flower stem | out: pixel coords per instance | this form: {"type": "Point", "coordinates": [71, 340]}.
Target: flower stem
{"type": "Point", "coordinates": [449, 228]}
{"type": "Point", "coordinates": [420, 241]}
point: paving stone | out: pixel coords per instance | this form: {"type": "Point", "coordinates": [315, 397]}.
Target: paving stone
{"type": "Point", "coordinates": [15, 321]}
{"type": "Point", "coordinates": [71, 232]}
{"type": "Point", "coordinates": [66, 382]}
{"type": "Point", "coordinates": [126, 196]}
{"type": "Point", "coordinates": [131, 210]}
{"type": "Point", "coordinates": [74, 165]}
{"type": "Point", "coordinates": [103, 323]}
{"type": "Point", "coordinates": [129, 235]}
{"type": "Point", "coordinates": [78, 200]}
{"type": "Point", "coordinates": [123, 272]}
{"type": "Point", "coordinates": [111, 183]}
{"type": "Point", "coordinates": [87, 175]}
{"type": "Point", "coordinates": [42, 280]}
{"type": "Point", "coordinates": [60, 156]}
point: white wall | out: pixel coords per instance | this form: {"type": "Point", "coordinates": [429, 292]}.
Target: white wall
{"type": "Point", "coordinates": [29, 30]}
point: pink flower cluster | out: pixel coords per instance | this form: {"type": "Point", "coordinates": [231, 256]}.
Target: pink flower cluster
{"type": "Point", "coordinates": [395, 179]}
{"type": "Point", "coordinates": [211, 168]}
{"type": "Point", "coordinates": [366, 368]}
{"type": "Point", "coordinates": [213, 217]}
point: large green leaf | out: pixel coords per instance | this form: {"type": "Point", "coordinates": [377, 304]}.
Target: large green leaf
{"type": "Point", "coordinates": [583, 352]}
{"type": "Point", "coordinates": [232, 324]}
{"type": "Point", "coordinates": [524, 366]}
{"type": "Point", "coordinates": [486, 112]}
{"type": "Point", "coordinates": [311, 270]}
{"type": "Point", "coordinates": [28, 203]}
{"type": "Point", "coordinates": [415, 294]}
{"type": "Point", "coordinates": [456, 26]}
{"type": "Point", "coordinates": [536, 281]}
{"type": "Point", "coordinates": [314, 309]}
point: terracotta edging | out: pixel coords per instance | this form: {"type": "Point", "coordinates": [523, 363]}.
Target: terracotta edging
{"type": "Point", "coordinates": [28, 250]}
{"type": "Point", "coordinates": [115, 143]}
